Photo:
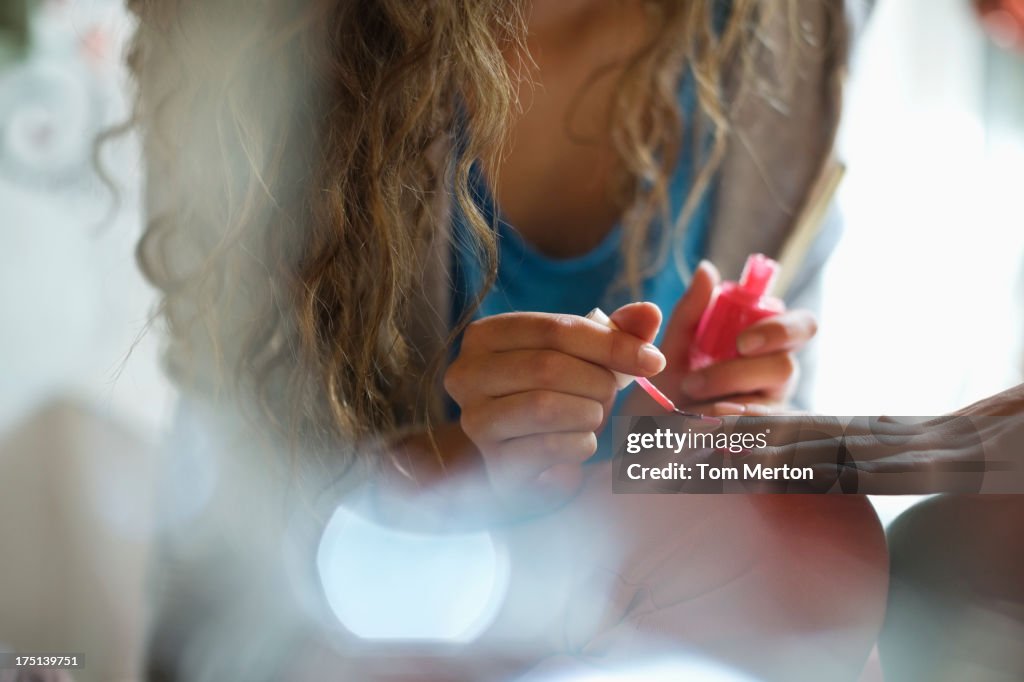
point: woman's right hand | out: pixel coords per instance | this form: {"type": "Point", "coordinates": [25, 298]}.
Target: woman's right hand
{"type": "Point", "coordinates": [536, 388]}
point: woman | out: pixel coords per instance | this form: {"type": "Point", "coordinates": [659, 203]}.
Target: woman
{"type": "Point", "coordinates": [352, 201]}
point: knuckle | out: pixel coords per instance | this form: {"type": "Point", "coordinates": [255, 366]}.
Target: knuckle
{"type": "Point", "coordinates": [616, 348]}
{"type": "Point", "coordinates": [555, 328]}
{"type": "Point", "coordinates": [593, 415]}
{"type": "Point", "coordinates": [621, 350]}
{"type": "Point", "coordinates": [453, 379]}
{"type": "Point", "coordinates": [551, 444]}
{"type": "Point", "coordinates": [547, 369]}
{"type": "Point", "coordinates": [544, 407]}
{"type": "Point", "coordinates": [474, 334]}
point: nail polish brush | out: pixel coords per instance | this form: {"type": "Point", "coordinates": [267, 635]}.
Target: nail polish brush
{"type": "Point", "coordinates": [599, 316]}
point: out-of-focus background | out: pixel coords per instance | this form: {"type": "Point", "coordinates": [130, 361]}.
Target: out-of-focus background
{"type": "Point", "coordinates": [77, 422]}
{"type": "Point", "coordinates": [922, 312]}
{"type": "Point", "coordinates": [923, 307]}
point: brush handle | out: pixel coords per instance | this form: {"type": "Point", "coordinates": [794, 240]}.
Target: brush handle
{"type": "Point", "coordinates": [623, 380]}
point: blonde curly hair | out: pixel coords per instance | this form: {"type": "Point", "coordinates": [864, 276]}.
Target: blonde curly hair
{"type": "Point", "coordinates": [297, 150]}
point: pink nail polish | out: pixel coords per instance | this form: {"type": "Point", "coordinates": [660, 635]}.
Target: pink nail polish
{"type": "Point", "coordinates": [736, 306]}
{"type": "Point", "coordinates": [598, 315]}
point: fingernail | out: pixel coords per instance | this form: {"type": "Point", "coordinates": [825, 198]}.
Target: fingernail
{"type": "Point", "coordinates": [749, 343]}
{"type": "Point", "coordinates": [650, 358]}
{"type": "Point", "coordinates": [693, 383]}
{"type": "Point", "coordinates": [709, 266]}
{"type": "Point", "coordinates": [756, 410]}
{"type": "Point", "coordinates": [730, 408]}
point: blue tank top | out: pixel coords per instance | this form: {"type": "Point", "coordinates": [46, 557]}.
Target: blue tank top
{"type": "Point", "coordinates": [531, 281]}
{"type": "Point", "coordinates": [528, 280]}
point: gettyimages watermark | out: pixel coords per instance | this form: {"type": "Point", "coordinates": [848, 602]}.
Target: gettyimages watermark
{"type": "Point", "coordinates": [819, 454]}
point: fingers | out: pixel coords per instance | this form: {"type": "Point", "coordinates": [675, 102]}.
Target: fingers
{"type": "Point", "coordinates": [787, 331]}
{"type": "Point", "coordinates": [919, 476]}
{"type": "Point", "coordinates": [682, 325]}
{"type": "Point", "coordinates": [519, 460]}
{"type": "Point", "coordinates": [871, 455]}
{"type": "Point", "coordinates": [533, 412]}
{"type": "Point", "coordinates": [570, 334]}
{"type": "Point", "coordinates": [519, 371]}
{"type": "Point", "coordinates": [722, 408]}
{"type": "Point", "coordinates": [639, 319]}
{"type": "Point", "coordinates": [819, 437]}
{"type": "Point", "coordinates": [535, 388]}
{"type": "Point", "coordinates": [749, 405]}
{"type": "Point", "coordinates": [768, 375]}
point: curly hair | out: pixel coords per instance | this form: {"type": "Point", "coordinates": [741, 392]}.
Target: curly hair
{"type": "Point", "coordinates": [298, 153]}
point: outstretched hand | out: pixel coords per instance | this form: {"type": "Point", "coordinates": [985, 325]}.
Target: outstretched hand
{"type": "Point", "coordinates": [979, 448]}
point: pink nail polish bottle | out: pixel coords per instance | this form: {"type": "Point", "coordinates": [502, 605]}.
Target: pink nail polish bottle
{"type": "Point", "coordinates": [736, 306]}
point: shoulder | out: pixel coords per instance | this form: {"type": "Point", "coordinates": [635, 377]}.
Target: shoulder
{"type": "Point", "coordinates": [783, 115]}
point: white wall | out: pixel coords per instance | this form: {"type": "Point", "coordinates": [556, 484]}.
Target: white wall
{"type": "Point", "coordinates": [922, 310]}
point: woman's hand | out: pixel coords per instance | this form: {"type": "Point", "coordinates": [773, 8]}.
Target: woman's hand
{"type": "Point", "coordinates": [535, 389]}
{"type": "Point", "coordinates": [977, 449]}
{"type": "Point", "coordinates": [760, 381]}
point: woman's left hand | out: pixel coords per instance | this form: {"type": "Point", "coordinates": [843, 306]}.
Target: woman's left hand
{"type": "Point", "coordinates": [758, 382]}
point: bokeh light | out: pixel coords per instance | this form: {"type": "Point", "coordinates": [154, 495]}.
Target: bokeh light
{"type": "Point", "coordinates": [384, 583]}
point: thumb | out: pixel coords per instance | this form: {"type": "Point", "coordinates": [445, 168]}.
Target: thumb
{"type": "Point", "coordinates": [639, 319]}
{"type": "Point", "coordinates": [682, 326]}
